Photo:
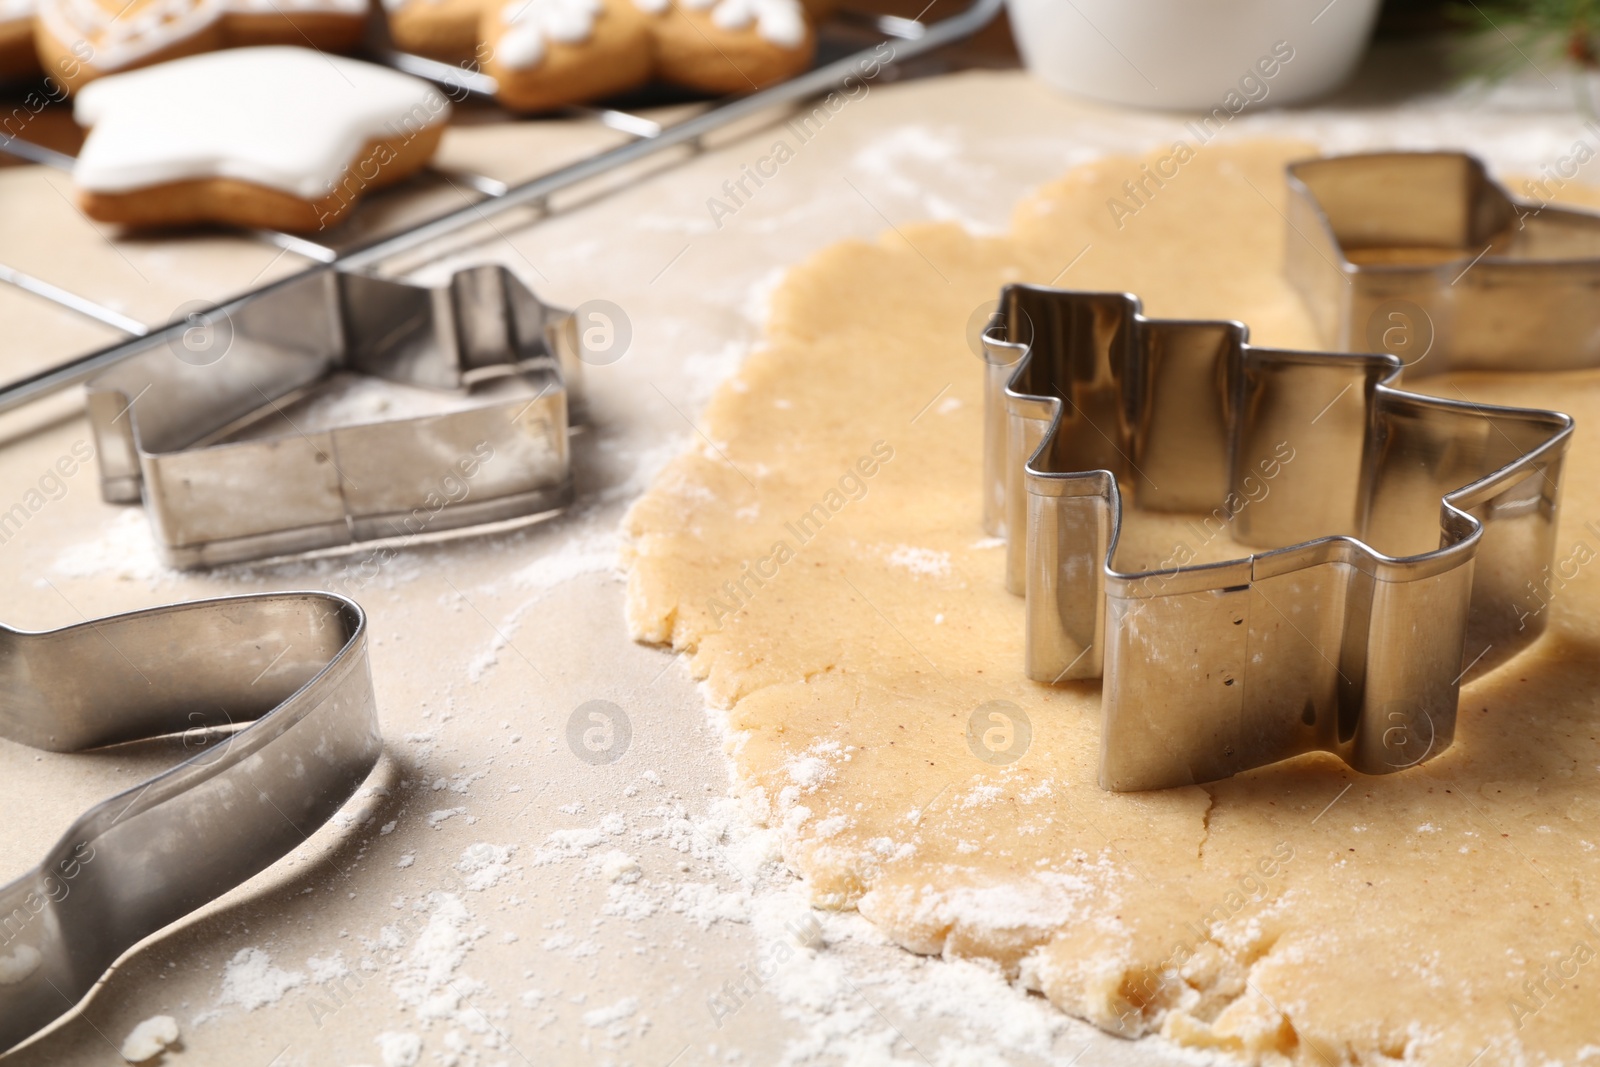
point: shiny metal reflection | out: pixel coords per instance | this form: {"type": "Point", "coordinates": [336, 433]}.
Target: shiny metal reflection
{"type": "Point", "coordinates": [202, 425]}
{"type": "Point", "coordinates": [290, 668]}
{"type": "Point", "coordinates": [1391, 536]}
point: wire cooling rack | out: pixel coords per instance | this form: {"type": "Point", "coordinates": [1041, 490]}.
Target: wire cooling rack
{"type": "Point", "coordinates": [889, 42]}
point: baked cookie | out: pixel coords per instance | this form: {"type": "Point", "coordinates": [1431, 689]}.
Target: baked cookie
{"type": "Point", "coordinates": [439, 29]}
{"type": "Point", "coordinates": [275, 137]}
{"type": "Point", "coordinates": [79, 40]}
{"type": "Point", "coordinates": [731, 46]}
{"type": "Point", "coordinates": [543, 53]}
{"type": "Point", "coordinates": [17, 58]}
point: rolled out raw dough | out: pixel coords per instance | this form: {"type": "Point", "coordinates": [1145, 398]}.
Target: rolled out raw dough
{"type": "Point", "coordinates": [1300, 912]}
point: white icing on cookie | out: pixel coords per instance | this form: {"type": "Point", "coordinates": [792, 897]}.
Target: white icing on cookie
{"type": "Point", "coordinates": [652, 7]}
{"type": "Point", "coordinates": [780, 21]}
{"type": "Point", "coordinates": [290, 119]}
{"type": "Point", "coordinates": [15, 10]}
{"type": "Point", "coordinates": [535, 22]}
{"type": "Point", "coordinates": [123, 33]}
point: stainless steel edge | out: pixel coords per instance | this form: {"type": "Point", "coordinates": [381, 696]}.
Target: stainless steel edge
{"type": "Point", "coordinates": [1399, 537]}
{"type": "Point", "coordinates": [290, 668]}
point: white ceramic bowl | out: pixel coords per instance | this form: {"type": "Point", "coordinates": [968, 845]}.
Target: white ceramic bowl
{"type": "Point", "coordinates": [1191, 54]}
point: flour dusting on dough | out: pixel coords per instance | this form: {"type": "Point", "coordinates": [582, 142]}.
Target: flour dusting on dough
{"type": "Point", "coordinates": [924, 562]}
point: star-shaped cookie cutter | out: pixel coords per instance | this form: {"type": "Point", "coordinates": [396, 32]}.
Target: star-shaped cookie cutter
{"type": "Point", "coordinates": [1393, 538]}
{"type": "Point", "coordinates": [206, 428]}
{"type": "Point", "coordinates": [1424, 256]}
{"type": "Point", "coordinates": [293, 666]}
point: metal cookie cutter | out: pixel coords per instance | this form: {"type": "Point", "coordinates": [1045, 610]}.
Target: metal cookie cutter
{"type": "Point", "coordinates": [215, 427]}
{"type": "Point", "coordinates": [1343, 552]}
{"type": "Point", "coordinates": [292, 665]}
{"type": "Point", "coordinates": [1424, 256]}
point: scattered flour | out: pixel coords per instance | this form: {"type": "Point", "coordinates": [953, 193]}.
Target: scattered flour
{"type": "Point", "coordinates": [327, 970]}
{"type": "Point", "coordinates": [814, 968]}
{"type": "Point", "coordinates": [424, 978]}
{"type": "Point", "coordinates": [150, 1039]}
{"type": "Point", "coordinates": [923, 562]}
{"type": "Point", "coordinates": [618, 866]}
{"type": "Point", "coordinates": [602, 1017]}
{"type": "Point", "coordinates": [595, 553]}
{"type": "Point", "coordinates": [485, 864]}
{"type": "Point", "coordinates": [705, 903]}
{"type": "Point", "coordinates": [125, 550]}
{"type": "Point", "coordinates": [399, 1049]}
{"type": "Point", "coordinates": [437, 817]}
{"type": "Point", "coordinates": [566, 845]}
{"type": "Point", "coordinates": [251, 981]}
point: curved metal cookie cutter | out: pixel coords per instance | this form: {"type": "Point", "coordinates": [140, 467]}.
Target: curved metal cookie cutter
{"type": "Point", "coordinates": [220, 442]}
{"type": "Point", "coordinates": [293, 665]}
{"type": "Point", "coordinates": [1345, 554]}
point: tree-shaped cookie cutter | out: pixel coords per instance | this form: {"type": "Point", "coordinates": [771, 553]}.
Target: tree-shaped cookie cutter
{"type": "Point", "coordinates": [1405, 542]}
{"type": "Point", "coordinates": [204, 425]}
{"type": "Point", "coordinates": [291, 669]}
{"type": "Point", "coordinates": [1394, 538]}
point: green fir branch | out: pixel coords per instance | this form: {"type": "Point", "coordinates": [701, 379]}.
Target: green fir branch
{"type": "Point", "coordinates": [1509, 32]}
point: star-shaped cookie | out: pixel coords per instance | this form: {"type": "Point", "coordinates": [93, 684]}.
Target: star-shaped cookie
{"type": "Point", "coordinates": [275, 137]}
{"type": "Point", "coordinates": [79, 40]}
